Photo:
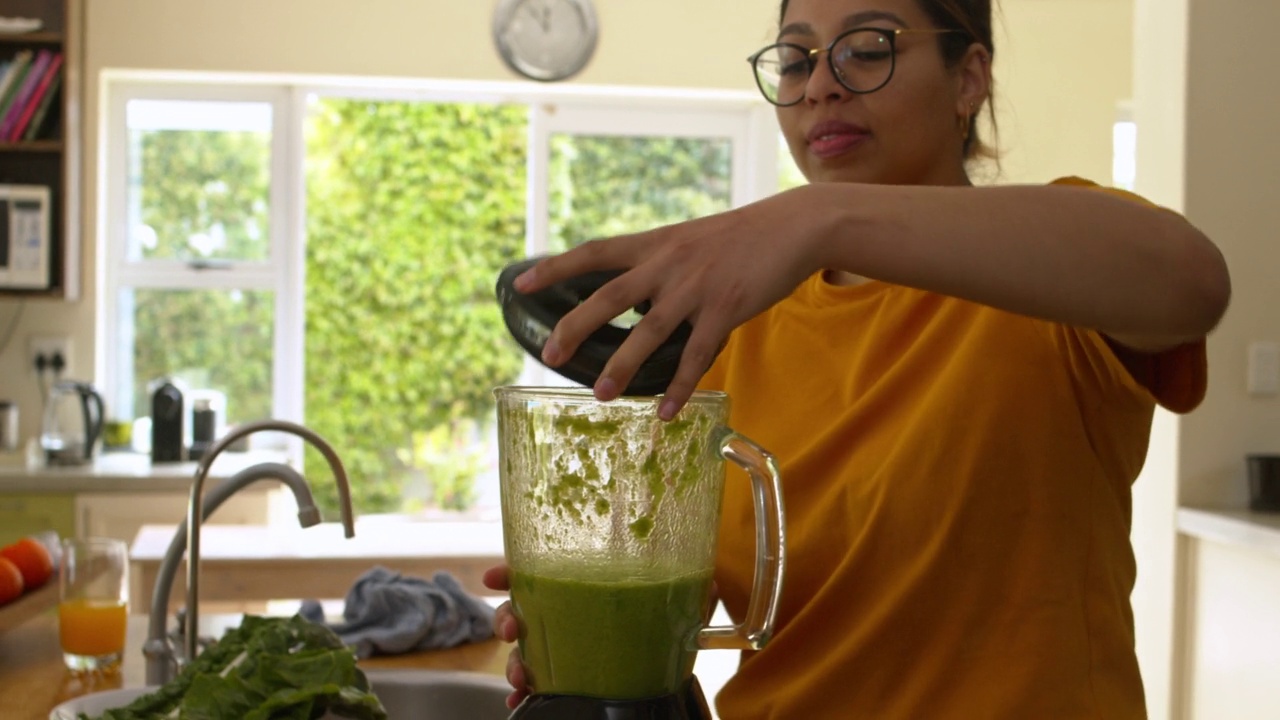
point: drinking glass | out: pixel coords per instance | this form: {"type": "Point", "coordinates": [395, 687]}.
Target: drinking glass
{"type": "Point", "coordinates": [93, 608]}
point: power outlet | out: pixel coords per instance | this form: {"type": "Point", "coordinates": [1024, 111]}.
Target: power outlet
{"type": "Point", "coordinates": [49, 346]}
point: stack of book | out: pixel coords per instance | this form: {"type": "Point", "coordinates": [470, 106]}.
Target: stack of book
{"type": "Point", "coordinates": [28, 84]}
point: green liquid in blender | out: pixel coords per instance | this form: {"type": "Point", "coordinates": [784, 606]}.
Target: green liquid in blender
{"type": "Point", "coordinates": [623, 639]}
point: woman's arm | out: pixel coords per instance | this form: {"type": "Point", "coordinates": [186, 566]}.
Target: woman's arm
{"type": "Point", "coordinates": [1142, 275]}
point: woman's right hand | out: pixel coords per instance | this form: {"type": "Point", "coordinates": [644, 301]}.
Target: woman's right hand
{"type": "Point", "coordinates": [507, 629]}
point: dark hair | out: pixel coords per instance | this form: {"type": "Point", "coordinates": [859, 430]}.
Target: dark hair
{"type": "Point", "coordinates": [973, 17]}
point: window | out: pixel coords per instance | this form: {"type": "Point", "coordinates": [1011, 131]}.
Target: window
{"type": "Point", "coordinates": [1124, 149]}
{"type": "Point", "coordinates": [326, 255]}
{"type": "Point", "coordinates": [198, 284]}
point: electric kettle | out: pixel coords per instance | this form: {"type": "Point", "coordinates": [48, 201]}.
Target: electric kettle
{"type": "Point", "coordinates": [73, 419]}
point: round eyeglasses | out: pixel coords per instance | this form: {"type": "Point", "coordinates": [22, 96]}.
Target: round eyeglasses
{"type": "Point", "coordinates": [862, 61]}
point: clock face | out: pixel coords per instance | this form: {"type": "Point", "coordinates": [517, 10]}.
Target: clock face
{"type": "Point", "coordinates": [545, 39]}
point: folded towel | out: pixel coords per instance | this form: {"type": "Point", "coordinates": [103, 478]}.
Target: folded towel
{"type": "Point", "coordinates": [386, 613]}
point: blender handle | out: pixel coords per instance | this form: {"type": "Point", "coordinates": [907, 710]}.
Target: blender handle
{"type": "Point", "coordinates": [766, 591]}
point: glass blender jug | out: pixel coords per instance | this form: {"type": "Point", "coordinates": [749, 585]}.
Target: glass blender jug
{"type": "Point", "coordinates": [610, 519]}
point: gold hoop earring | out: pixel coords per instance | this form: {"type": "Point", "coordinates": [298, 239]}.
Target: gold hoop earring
{"type": "Point", "coordinates": [966, 123]}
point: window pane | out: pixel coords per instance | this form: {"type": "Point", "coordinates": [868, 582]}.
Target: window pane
{"type": "Point", "coordinates": [603, 185]}
{"type": "Point", "coordinates": [789, 175]}
{"type": "Point", "coordinates": [210, 339]}
{"type": "Point", "coordinates": [199, 173]}
{"type": "Point", "coordinates": [412, 209]}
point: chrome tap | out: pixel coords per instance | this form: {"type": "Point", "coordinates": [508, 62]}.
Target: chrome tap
{"type": "Point", "coordinates": [162, 656]}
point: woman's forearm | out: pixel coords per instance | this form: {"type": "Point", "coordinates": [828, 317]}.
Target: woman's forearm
{"type": "Point", "coordinates": [1141, 274]}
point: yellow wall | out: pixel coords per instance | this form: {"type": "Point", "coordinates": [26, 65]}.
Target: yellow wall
{"type": "Point", "coordinates": [1057, 99]}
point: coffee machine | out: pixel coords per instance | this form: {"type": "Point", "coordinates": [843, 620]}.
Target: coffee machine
{"type": "Point", "coordinates": [170, 429]}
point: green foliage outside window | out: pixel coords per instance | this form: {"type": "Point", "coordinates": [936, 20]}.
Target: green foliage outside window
{"type": "Point", "coordinates": [412, 209]}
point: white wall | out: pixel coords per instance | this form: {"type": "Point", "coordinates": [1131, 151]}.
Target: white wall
{"type": "Point", "coordinates": [1206, 146]}
{"type": "Point", "coordinates": [1232, 618]}
{"type": "Point", "coordinates": [1232, 187]}
{"type": "Point", "coordinates": [1159, 93]}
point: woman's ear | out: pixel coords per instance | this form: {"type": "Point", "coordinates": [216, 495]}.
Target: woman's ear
{"type": "Point", "coordinates": [974, 79]}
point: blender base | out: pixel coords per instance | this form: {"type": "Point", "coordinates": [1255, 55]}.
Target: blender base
{"type": "Point", "coordinates": [687, 704]}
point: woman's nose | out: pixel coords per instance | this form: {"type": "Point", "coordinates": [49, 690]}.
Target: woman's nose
{"type": "Point", "coordinates": [823, 84]}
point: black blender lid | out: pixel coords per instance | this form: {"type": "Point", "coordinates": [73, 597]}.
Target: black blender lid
{"type": "Point", "coordinates": [531, 317]}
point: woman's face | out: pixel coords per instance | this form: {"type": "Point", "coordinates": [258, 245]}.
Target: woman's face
{"type": "Point", "coordinates": [907, 132]}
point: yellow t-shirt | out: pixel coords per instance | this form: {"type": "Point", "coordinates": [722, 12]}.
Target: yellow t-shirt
{"type": "Point", "coordinates": [957, 490]}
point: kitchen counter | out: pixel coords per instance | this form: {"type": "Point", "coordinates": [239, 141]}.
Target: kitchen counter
{"type": "Point", "coordinates": [123, 472]}
{"type": "Point", "coordinates": [1247, 529]}
{"type": "Point", "coordinates": [253, 562]}
{"type": "Point", "coordinates": [33, 680]}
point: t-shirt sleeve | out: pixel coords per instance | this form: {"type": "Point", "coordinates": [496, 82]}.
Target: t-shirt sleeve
{"type": "Point", "coordinates": [1176, 379]}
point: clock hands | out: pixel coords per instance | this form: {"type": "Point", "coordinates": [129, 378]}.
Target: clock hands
{"type": "Point", "coordinates": [542, 14]}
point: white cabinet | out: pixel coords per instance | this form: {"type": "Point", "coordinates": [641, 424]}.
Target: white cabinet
{"type": "Point", "coordinates": [120, 515]}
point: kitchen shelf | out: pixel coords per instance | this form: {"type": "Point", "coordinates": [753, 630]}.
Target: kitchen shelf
{"type": "Point", "coordinates": [52, 158]}
{"type": "Point", "coordinates": [33, 38]}
{"type": "Point", "coordinates": [45, 146]}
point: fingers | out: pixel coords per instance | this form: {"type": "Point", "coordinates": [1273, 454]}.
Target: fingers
{"type": "Point", "coordinates": [697, 357]}
{"type": "Point", "coordinates": [605, 304]}
{"type": "Point", "coordinates": [497, 578]}
{"type": "Point", "coordinates": [505, 625]}
{"type": "Point", "coordinates": [610, 254]}
{"type": "Point", "coordinates": [516, 676]}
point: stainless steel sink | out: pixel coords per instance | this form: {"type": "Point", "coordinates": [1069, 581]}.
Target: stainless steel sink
{"type": "Point", "coordinates": [440, 694]}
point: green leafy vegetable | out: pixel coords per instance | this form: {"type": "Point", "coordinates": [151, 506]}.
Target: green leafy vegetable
{"type": "Point", "coordinates": [267, 669]}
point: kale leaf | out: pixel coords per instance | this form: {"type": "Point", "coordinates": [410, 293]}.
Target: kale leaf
{"type": "Point", "coordinates": [266, 669]}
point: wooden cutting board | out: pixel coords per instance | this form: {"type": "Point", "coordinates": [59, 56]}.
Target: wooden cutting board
{"type": "Point", "coordinates": [17, 612]}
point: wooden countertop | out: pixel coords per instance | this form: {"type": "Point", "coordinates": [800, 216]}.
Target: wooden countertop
{"type": "Point", "coordinates": [33, 679]}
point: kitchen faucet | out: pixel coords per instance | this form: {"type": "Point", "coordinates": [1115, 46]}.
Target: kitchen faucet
{"type": "Point", "coordinates": [162, 656]}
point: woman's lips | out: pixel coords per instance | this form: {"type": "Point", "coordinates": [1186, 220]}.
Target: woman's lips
{"type": "Point", "coordinates": [832, 138]}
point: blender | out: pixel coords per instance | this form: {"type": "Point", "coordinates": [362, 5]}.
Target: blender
{"type": "Point", "coordinates": [610, 518]}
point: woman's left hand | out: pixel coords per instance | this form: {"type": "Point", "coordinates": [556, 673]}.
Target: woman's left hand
{"type": "Point", "coordinates": [717, 272]}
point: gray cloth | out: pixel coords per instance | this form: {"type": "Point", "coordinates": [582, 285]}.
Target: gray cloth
{"type": "Point", "coordinates": [386, 614]}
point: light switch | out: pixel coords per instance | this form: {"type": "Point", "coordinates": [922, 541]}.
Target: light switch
{"type": "Point", "coordinates": [1264, 368]}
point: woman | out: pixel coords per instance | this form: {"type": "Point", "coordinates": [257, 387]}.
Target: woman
{"type": "Point", "coordinates": [958, 382]}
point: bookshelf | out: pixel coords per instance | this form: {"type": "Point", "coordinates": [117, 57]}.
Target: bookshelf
{"type": "Point", "coordinates": [40, 140]}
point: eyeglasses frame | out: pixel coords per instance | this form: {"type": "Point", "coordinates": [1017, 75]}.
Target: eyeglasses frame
{"type": "Point", "coordinates": [890, 34]}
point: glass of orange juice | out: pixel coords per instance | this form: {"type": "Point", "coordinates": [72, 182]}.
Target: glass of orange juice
{"type": "Point", "coordinates": [93, 610]}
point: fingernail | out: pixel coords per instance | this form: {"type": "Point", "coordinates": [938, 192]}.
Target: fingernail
{"type": "Point", "coordinates": [667, 409]}
{"type": "Point", "coordinates": [607, 388]}
{"type": "Point", "coordinates": [551, 352]}
{"type": "Point", "coordinates": [523, 280]}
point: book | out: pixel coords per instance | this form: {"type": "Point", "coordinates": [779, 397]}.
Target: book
{"type": "Point", "coordinates": [37, 120]}
{"type": "Point", "coordinates": [35, 99]}
{"type": "Point", "coordinates": [29, 83]}
{"type": "Point", "coordinates": [13, 79]}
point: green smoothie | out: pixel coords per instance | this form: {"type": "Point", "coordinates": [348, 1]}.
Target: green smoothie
{"type": "Point", "coordinates": [623, 640]}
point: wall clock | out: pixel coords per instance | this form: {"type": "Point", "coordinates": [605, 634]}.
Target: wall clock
{"type": "Point", "coordinates": [546, 40]}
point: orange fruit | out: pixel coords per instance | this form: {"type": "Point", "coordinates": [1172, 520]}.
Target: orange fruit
{"type": "Point", "coordinates": [32, 560]}
{"type": "Point", "coordinates": [10, 581]}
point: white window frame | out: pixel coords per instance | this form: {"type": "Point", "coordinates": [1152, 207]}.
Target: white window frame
{"type": "Point", "coordinates": [275, 274]}
{"type": "Point", "coordinates": [744, 118]}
